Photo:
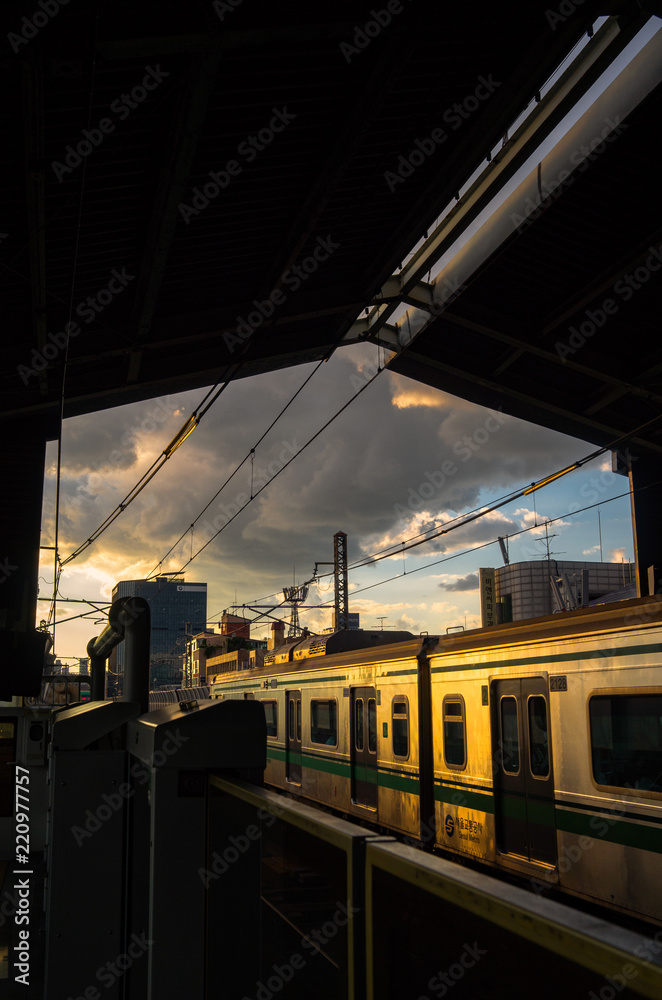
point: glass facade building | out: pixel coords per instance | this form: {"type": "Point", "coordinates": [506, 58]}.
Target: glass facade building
{"type": "Point", "coordinates": [173, 602]}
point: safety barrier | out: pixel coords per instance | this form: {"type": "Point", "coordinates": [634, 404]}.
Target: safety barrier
{"type": "Point", "coordinates": [320, 907]}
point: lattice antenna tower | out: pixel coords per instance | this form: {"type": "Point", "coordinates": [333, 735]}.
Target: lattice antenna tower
{"type": "Point", "coordinates": [295, 596]}
{"type": "Point", "coordinates": [340, 574]}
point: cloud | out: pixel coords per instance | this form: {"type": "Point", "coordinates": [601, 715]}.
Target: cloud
{"type": "Point", "coordinates": [618, 555]}
{"type": "Point", "coordinates": [405, 396]}
{"type": "Point", "coordinates": [469, 582]}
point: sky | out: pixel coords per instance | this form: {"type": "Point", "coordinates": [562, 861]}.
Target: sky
{"type": "Point", "coordinates": [401, 458]}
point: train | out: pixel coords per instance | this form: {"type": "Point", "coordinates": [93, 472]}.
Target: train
{"type": "Point", "coordinates": [533, 747]}
{"type": "Point", "coordinates": [175, 696]}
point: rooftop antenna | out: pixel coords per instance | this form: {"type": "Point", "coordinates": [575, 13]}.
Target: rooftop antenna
{"type": "Point", "coordinates": [504, 550]}
{"type": "Point", "coordinates": [295, 596]}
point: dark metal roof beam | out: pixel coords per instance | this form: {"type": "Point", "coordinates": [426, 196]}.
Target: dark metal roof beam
{"type": "Point", "coordinates": [189, 118]}
{"type": "Point", "coordinates": [626, 92]}
{"type": "Point", "coordinates": [534, 404]}
{"type": "Point", "coordinates": [566, 92]}
{"type": "Point", "coordinates": [572, 307]}
{"type": "Point", "coordinates": [141, 48]}
{"type": "Point", "coordinates": [375, 92]}
{"type": "Point", "coordinates": [36, 215]}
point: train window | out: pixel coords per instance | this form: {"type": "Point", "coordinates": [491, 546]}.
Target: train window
{"type": "Point", "coordinates": [538, 745]}
{"type": "Point", "coordinates": [455, 747]}
{"type": "Point", "coordinates": [290, 718]}
{"type": "Point", "coordinates": [271, 713]}
{"type": "Point", "coordinates": [324, 721]}
{"type": "Point", "coordinates": [626, 740]}
{"type": "Point", "coordinates": [299, 720]}
{"type": "Point", "coordinates": [400, 727]}
{"type": "Point", "coordinates": [372, 725]}
{"type": "Point", "coordinates": [358, 723]}
{"type": "Point", "coordinates": [509, 735]}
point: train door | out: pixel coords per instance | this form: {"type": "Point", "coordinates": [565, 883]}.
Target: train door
{"type": "Point", "coordinates": [293, 737]}
{"type": "Point", "coordinates": [364, 746]}
{"type": "Point", "coordinates": [523, 782]}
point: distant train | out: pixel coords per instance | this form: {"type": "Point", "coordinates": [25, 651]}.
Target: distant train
{"type": "Point", "coordinates": [535, 747]}
{"type": "Point", "coordinates": [157, 699]}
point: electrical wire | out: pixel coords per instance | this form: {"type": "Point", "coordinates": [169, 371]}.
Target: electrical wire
{"type": "Point", "coordinates": [437, 562]}
{"type": "Point", "coordinates": [248, 456]}
{"type": "Point", "coordinates": [282, 469]}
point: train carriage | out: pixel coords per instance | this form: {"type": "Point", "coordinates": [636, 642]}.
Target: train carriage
{"type": "Point", "coordinates": [534, 747]}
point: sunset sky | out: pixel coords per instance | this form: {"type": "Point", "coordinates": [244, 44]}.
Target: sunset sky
{"type": "Point", "coordinates": [401, 457]}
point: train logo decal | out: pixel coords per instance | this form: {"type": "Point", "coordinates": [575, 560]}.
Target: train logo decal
{"type": "Point", "coordinates": [449, 825]}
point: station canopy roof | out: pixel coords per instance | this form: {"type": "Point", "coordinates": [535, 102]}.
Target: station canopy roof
{"type": "Point", "coordinates": [202, 191]}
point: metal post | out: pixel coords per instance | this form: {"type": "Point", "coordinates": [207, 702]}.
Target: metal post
{"type": "Point", "coordinates": [128, 619]}
{"type": "Point", "coordinates": [97, 672]}
{"type": "Point", "coordinates": [134, 616]}
{"type": "Point", "coordinates": [425, 748]}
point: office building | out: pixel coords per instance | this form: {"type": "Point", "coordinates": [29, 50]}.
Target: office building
{"type": "Point", "coordinates": [545, 586]}
{"type": "Point", "coordinates": [177, 609]}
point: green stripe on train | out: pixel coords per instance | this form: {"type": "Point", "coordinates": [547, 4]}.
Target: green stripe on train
{"type": "Point", "coordinates": [549, 658]}
{"type": "Point", "coordinates": [452, 795]}
{"type": "Point", "coordinates": [614, 831]}
{"type": "Point", "coordinates": [594, 826]}
{"type": "Point", "coordinates": [398, 781]}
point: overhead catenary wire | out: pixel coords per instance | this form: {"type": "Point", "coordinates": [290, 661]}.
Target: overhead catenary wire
{"type": "Point", "coordinates": [247, 457]}
{"type": "Point", "coordinates": [281, 470]}
{"type": "Point", "coordinates": [400, 547]}
{"type": "Point", "coordinates": [419, 569]}
{"type": "Point", "coordinates": [463, 552]}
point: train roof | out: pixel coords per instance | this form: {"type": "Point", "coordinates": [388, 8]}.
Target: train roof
{"type": "Point", "coordinates": [624, 615]}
